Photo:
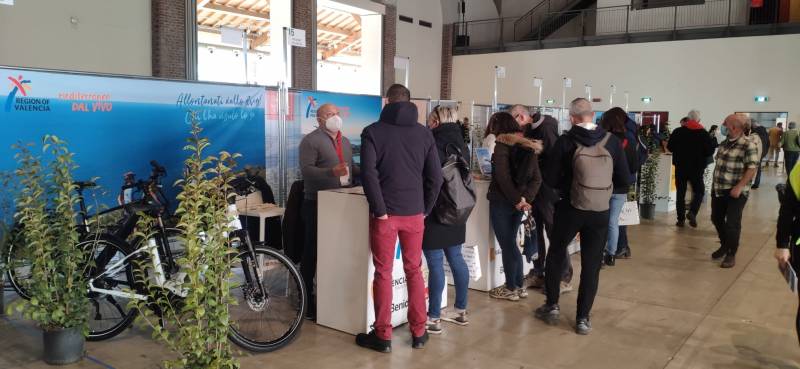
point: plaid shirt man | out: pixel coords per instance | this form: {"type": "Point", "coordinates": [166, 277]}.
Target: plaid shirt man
{"type": "Point", "coordinates": [733, 159]}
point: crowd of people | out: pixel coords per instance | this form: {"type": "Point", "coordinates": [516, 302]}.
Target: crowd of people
{"type": "Point", "coordinates": [558, 185]}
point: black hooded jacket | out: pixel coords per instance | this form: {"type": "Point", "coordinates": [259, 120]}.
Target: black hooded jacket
{"type": "Point", "coordinates": [547, 133]}
{"type": "Point", "coordinates": [558, 172]}
{"type": "Point", "coordinates": [400, 167]}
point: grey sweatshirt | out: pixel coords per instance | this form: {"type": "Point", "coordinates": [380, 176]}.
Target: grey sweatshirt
{"type": "Point", "coordinates": [317, 159]}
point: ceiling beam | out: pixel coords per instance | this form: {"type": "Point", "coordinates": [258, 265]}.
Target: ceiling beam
{"type": "Point", "coordinates": [260, 40]}
{"type": "Point", "coordinates": [334, 30]}
{"type": "Point", "coordinates": [341, 46]}
{"type": "Point", "coordinates": [229, 10]}
{"type": "Point", "coordinates": [202, 3]}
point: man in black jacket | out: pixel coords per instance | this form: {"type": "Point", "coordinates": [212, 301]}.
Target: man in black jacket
{"type": "Point", "coordinates": [759, 130]}
{"type": "Point", "coordinates": [569, 220]}
{"type": "Point", "coordinates": [402, 177]}
{"type": "Point", "coordinates": [691, 145]}
{"type": "Point", "coordinates": [543, 128]}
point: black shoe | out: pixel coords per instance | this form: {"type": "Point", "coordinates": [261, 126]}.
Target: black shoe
{"type": "Point", "coordinates": [609, 260]}
{"type": "Point", "coordinates": [583, 326]}
{"type": "Point", "coordinates": [311, 313]}
{"type": "Point", "coordinates": [754, 187]}
{"type": "Point", "coordinates": [716, 255]}
{"type": "Point", "coordinates": [371, 341]}
{"type": "Point", "coordinates": [419, 342]}
{"type": "Point", "coordinates": [623, 254]}
{"type": "Point", "coordinates": [550, 314]}
{"type": "Point", "coordinates": [728, 262]}
{"type": "Point", "coordinates": [680, 224]}
{"type": "Point", "coordinates": [692, 219]}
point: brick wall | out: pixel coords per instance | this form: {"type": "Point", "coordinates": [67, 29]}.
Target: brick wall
{"type": "Point", "coordinates": [446, 81]}
{"type": "Point", "coordinates": [303, 68]}
{"type": "Point", "coordinates": [168, 19]}
{"type": "Point", "coordinates": [389, 45]}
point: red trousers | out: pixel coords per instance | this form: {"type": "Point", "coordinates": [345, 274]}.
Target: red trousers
{"type": "Point", "coordinates": [382, 237]}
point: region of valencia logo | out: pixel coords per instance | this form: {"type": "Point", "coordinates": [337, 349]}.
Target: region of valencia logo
{"type": "Point", "coordinates": [15, 102]}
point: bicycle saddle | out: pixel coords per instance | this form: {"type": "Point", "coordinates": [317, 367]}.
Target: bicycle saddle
{"type": "Point", "coordinates": [84, 184]}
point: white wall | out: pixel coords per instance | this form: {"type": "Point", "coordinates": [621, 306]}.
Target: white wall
{"type": "Point", "coordinates": [717, 76]}
{"type": "Point", "coordinates": [111, 36]}
{"type": "Point", "coordinates": [422, 45]}
{"type": "Point", "coordinates": [476, 9]}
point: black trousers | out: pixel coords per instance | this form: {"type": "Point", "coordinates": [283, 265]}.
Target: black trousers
{"type": "Point", "coordinates": [682, 178]}
{"type": "Point", "coordinates": [543, 215]}
{"type": "Point", "coordinates": [308, 265]}
{"type": "Point", "coordinates": [726, 214]}
{"type": "Point", "coordinates": [593, 227]}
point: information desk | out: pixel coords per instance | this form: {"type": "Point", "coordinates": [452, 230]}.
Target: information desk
{"type": "Point", "coordinates": [344, 265]}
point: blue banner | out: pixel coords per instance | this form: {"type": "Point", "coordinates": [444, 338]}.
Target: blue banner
{"type": "Point", "coordinates": [115, 125]}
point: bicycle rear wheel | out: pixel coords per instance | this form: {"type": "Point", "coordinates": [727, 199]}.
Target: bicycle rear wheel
{"type": "Point", "coordinates": [109, 311]}
{"type": "Point", "coordinates": [265, 323]}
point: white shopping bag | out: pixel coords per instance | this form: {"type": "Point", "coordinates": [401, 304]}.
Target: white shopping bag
{"type": "Point", "coordinates": [629, 214]}
{"type": "Point", "coordinates": [473, 261]}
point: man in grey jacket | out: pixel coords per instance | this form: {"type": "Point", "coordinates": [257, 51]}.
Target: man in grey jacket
{"type": "Point", "coordinates": [326, 162]}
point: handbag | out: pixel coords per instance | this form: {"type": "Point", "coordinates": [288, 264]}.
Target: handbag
{"type": "Point", "coordinates": [629, 214]}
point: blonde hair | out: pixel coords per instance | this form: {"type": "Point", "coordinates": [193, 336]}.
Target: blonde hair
{"type": "Point", "coordinates": [442, 114]}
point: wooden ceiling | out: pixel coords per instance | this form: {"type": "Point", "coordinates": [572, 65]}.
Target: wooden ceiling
{"type": "Point", "coordinates": [252, 15]}
{"type": "Point", "coordinates": [338, 33]}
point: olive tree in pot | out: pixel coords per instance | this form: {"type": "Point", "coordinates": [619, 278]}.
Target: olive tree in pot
{"type": "Point", "coordinates": [647, 189]}
{"type": "Point", "coordinates": [45, 205]}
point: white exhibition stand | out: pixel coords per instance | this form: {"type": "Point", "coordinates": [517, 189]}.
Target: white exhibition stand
{"type": "Point", "coordinates": [666, 193]}
{"type": "Point", "coordinates": [344, 265]}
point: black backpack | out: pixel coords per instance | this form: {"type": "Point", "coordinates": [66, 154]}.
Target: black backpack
{"type": "Point", "coordinates": [457, 197]}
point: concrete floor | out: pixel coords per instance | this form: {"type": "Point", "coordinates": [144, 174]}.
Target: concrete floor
{"type": "Point", "coordinates": [668, 307]}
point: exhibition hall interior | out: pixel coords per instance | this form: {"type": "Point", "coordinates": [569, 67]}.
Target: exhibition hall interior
{"type": "Point", "coordinates": [345, 184]}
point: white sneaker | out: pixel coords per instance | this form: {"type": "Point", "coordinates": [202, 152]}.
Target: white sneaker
{"type": "Point", "coordinates": [522, 293]}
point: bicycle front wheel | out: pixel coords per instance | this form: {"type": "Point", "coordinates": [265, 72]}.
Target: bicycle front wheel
{"type": "Point", "coordinates": [266, 321]}
{"type": "Point", "coordinates": [109, 310]}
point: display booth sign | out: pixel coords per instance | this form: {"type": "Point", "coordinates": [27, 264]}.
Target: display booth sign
{"type": "Point", "coordinates": [114, 125]}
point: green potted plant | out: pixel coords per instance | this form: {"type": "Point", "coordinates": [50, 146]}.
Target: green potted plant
{"type": "Point", "coordinates": [196, 329]}
{"type": "Point", "coordinates": [649, 176]}
{"type": "Point", "coordinates": [45, 206]}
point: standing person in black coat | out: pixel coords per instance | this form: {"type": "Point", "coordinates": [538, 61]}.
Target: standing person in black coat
{"type": "Point", "coordinates": [544, 129]}
{"type": "Point", "coordinates": [691, 146]}
{"type": "Point", "coordinates": [440, 240]}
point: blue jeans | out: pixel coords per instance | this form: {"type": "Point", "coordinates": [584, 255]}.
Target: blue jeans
{"type": "Point", "coordinates": [506, 221]}
{"type": "Point", "coordinates": [615, 207]}
{"type": "Point", "coordinates": [435, 260]}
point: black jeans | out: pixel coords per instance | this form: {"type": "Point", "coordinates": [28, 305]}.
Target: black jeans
{"type": "Point", "coordinates": [726, 214]}
{"type": "Point", "coordinates": [308, 265]}
{"type": "Point", "coordinates": [544, 222]}
{"type": "Point", "coordinates": [698, 190]}
{"type": "Point", "coordinates": [789, 159]}
{"type": "Point", "coordinates": [593, 227]}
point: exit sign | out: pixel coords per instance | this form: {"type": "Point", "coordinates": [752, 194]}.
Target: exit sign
{"type": "Point", "coordinates": [761, 99]}
{"type": "Point", "coordinates": [550, 101]}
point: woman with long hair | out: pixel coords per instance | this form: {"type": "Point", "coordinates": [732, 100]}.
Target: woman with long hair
{"type": "Point", "coordinates": [442, 241]}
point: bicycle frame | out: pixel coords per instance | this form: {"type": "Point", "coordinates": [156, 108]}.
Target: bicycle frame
{"type": "Point", "coordinates": [162, 278]}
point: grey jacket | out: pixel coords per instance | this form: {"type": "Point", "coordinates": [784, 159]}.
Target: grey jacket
{"type": "Point", "coordinates": [317, 159]}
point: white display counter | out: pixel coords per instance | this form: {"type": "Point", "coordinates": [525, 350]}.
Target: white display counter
{"type": "Point", "coordinates": [666, 193]}
{"type": "Point", "coordinates": [344, 265]}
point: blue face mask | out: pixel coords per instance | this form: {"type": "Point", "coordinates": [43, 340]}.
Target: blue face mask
{"type": "Point", "coordinates": [723, 130]}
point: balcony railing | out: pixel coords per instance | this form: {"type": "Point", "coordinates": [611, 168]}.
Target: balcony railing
{"type": "Point", "coordinates": [538, 26]}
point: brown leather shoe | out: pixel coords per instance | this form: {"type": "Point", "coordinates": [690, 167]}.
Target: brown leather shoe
{"type": "Point", "coordinates": [728, 262]}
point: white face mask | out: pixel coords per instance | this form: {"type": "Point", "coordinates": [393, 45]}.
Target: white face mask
{"type": "Point", "coordinates": [333, 124]}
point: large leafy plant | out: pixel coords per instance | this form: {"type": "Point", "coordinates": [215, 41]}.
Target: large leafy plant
{"type": "Point", "coordinates": [46, 209]}
{"type": "Point", "coordinates": [196, 326]}
{"type": "Point", "coordinates": [649, 172]}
